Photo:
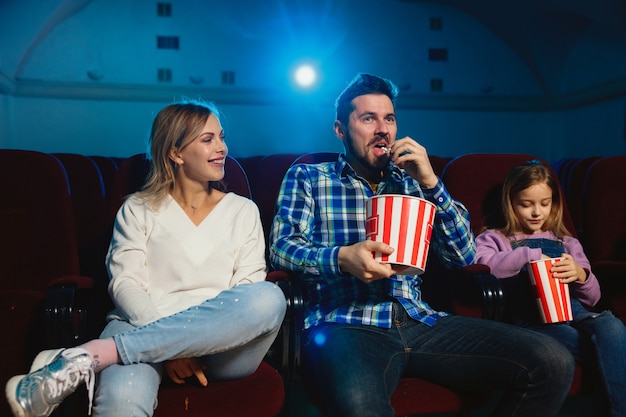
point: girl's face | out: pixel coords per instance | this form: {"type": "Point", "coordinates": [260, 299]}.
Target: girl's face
{"type": "Point", "coordinates": [532, 207]}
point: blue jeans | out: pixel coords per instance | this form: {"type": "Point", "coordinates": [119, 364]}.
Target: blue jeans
{"type": "Point", "coordinates": [598, 341]}
{"type": "Point", "coordinates": [231, 333]}
{"type": "Point", "coordinates": [356, 368]}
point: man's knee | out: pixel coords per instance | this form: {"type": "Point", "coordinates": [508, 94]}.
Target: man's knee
{"type": "Point", "coordinates": [552, 360]}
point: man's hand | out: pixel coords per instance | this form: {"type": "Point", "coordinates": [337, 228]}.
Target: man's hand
{"type": "Point", "coordinates": [358, 260]}
{"type": "Point", "coordinates": [412, 157]}
{"type": "Point", "coordinates": [179, 369]}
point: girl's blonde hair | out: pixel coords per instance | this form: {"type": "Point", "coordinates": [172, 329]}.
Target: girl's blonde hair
{"type": "Point", "coordinates": [174, 127]}
{"type": "Point", "coordinates": [518, 179]}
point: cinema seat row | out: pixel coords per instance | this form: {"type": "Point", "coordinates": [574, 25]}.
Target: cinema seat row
{"type": "Point", "coordinates": [57, 213]}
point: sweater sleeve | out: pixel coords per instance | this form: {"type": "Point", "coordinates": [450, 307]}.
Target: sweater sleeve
{"type": "Point", "coordinates": [126, 262]}
{"type": "Point", "coordinates": [250, 263]}
{"type": "Point", "coordinates": [495, 251]}
{"type": "Point", "coordinates": [587, 292]}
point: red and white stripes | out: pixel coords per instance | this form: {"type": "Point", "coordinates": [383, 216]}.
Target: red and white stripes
{"type": "Point", "coordinates": [553, 297]}
{"type": "Point", "coordinates": [405, 223]}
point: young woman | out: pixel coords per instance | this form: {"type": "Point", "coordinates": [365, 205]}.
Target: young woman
{"type": "Point", "coordinates": [533, 216]}
{"type": "Point", "coordinates": [187, 277]}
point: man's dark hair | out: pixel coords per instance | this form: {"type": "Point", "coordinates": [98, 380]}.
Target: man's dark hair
{"type": "Point", "coordinates": [363, 84]}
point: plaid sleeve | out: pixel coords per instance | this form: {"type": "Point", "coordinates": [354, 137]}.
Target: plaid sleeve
{"type": "Point", "coordinates": [291, 244]}
{"type": "Point", "coordinates": [453, 239]}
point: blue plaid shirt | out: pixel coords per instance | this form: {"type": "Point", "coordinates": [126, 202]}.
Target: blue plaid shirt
{"type": "Point", "coordinates": [322, 207]}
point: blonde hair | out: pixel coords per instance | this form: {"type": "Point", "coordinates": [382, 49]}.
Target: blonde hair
{"type": "Point", "coordinates": [174, 127]}
{"type": "Point", "coordinates": [518, 179]}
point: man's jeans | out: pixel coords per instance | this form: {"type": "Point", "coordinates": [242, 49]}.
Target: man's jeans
{"type": "Point", "coordinates": [231, 333]}
{"type": "Point", "coordinates": [356, 368]}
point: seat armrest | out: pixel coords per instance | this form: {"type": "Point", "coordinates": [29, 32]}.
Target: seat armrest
{"type": "Point", "coordinates": [66, 310]}
{"type": "Point", "coordinates": [467, 291]}
{"type": "Point", "coordinates": [477, 293]}
{"type": "Point", "coordinates": [285, 352]}
{"type": "Point", "coordinates": [491, 291]}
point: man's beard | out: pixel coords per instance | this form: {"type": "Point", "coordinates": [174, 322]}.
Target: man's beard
{"type": "Point", "coordinates": [363, 160]}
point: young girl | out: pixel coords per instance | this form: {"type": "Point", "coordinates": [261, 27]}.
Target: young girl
{"type": "Point", "coordinates": [187, 268]}
{"type": "Point", "coordinates": [533, 229]}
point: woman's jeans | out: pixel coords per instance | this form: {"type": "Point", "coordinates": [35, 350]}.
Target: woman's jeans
{"type": "Point", "coordinates": [356, 368]}
{"type": "Point", "coordinates": [231, 333]}
{"type": "Point", "coordinates": [598, 341]}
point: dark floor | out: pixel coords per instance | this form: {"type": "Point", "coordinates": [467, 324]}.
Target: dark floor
{"type": "Point", "coordinates": [298, 405]}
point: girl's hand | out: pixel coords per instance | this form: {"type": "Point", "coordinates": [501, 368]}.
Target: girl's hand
{"type": "Point", "coordinates": [567, 270]}
{"type": "Point", "coordinates": [179, 369]}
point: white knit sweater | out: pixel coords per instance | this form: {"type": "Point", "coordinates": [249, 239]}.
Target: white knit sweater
{"type": "Point", "coordinates": [160, 263]}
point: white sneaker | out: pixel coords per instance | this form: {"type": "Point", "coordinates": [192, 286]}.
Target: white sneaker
{"type": "Point", "coordinates": [57, 375]}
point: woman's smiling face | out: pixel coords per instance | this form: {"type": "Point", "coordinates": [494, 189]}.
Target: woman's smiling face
{"type": "Point", "coordinates": [204, 157]}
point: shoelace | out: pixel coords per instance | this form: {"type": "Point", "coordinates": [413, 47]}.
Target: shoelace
{"type": "Point", "coordinates": [65, 380]}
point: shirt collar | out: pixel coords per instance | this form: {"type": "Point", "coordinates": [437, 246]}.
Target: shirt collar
{"type": "Point", "coordinates": [343, 167]}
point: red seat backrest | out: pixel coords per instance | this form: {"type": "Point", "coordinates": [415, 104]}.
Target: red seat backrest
{"type": "Point", "coordinates": [37, 221]}
{"type": "Point", "coordinates": [38, 245]}
{"type": "Point", "coordinates": [574, 190]}
{"type": "Point", "coordinates": [604, 199]}
{"type": "Point", "coordinates": [265, 182]}
{"type": "Point", "coordinates": [108, 169]}
{"type": "Point", "coordinates": [235, 178]}
{"type": "Point", "coordinates": [249, 164]}
{"type": "Point", "coordinates": [88, 195]}
{"type": "Point", "coordinates": [90, 205]}
{"type": "Point", "coordinates": [316, 158]}
{"type": "Point", "coordinates": [476, 181]}
{"type": "Point", "coordinates": [130, 177]}
{"type": "Point", "coordinates": [439, 163]}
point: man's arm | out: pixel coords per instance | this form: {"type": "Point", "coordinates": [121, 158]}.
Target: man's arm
{"type": "Point", "coordinates": [296, 245]}
{"type": "Point", "coordinates": [453, 239]}
{"type": "Point", "coordinates": [291, 243]}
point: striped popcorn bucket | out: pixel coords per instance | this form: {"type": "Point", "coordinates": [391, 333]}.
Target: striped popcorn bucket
{"type": "Point", "coordinates": [404, 223]}
{"type": "Point", "coordinates": [552, 295]}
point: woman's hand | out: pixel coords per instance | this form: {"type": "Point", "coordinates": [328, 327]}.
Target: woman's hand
{"type": "Point", "coordinates": [179, 369]}
{"type": "Point", "coordinates": [567, 270]}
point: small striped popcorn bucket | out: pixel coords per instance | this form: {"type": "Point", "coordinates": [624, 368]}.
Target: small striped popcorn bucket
{"type": "Point", "coordinates": [552, 295]}
{"type": "Point", "coordinates": [404, 223]}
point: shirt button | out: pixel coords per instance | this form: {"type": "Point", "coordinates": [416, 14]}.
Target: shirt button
{"type": "Point", "coordinates": [440, 199]}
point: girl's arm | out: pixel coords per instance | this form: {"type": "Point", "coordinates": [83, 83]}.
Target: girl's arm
{"type": "Point", "coordinates": [587, 292]}
{"type": "Point", "coordinates": [494, 250]}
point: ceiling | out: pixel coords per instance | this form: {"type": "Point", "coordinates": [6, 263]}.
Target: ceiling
{"type": "Point", "coordinates": [542, 32]}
